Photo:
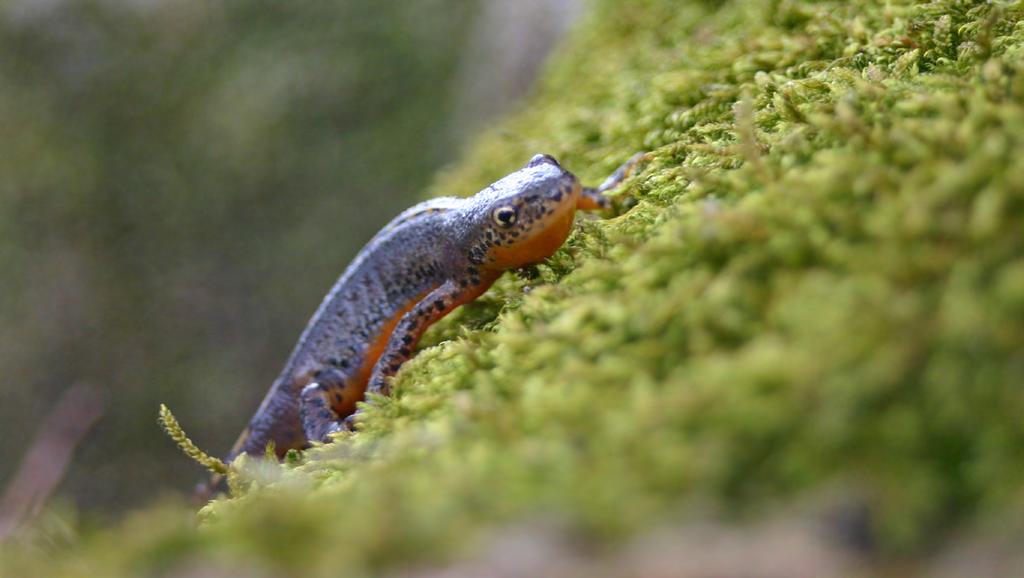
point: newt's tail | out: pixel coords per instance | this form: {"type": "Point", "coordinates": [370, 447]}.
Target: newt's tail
{"type": "Point", "coordinates": [207, 489]}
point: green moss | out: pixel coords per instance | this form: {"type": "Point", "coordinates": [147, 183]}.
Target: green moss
{"type": "Point", "coordinates": [822, 286]}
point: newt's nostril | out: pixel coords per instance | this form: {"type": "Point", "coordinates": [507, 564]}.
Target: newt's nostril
{"type": "Point", "coordinates": [542, 159]}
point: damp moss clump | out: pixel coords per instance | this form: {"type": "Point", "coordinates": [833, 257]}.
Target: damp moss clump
{"type": "Point", "coordinates": [820, 288]}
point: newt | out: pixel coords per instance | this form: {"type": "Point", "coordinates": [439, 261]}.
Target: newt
{"type": "Point", "coordinates": [426, 262]}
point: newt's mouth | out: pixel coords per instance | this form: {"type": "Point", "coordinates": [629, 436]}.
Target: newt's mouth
{"type": "Point", "coordinates": [545, 235]}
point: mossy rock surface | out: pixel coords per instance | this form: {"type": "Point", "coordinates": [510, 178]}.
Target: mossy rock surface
{"type": "Point", "coordinates": [820, 290]}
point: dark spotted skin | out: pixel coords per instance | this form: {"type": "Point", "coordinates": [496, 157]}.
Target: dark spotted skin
{"type": "Point", "coordinates": [425, 263]}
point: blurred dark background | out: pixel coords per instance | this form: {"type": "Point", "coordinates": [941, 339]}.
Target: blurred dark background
{"type": "Point", "coordinates": [182, 181]}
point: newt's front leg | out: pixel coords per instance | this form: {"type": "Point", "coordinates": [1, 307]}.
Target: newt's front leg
{"type": "Point", "coordinates": [428, 311]}
{"type": "Point", "coordinates": [593, 199]}
{"type": "Point", "coordinates": [318, 420]}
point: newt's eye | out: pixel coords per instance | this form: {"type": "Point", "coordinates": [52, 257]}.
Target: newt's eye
{"type": "Point", "coordinates": [504, 216]}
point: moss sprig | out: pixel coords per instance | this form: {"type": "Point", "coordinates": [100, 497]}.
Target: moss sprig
{"type": "Point", "coordinates": [188, 447]}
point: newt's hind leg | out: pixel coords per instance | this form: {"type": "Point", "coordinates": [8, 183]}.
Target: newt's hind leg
{"type": "Point", "coordinates": [592, 198]}
{"type": "Point", "coordinates": [317, 403]}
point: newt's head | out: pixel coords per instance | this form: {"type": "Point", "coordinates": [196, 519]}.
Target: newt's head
{"type": "Point", "coordinates": [524, 217]}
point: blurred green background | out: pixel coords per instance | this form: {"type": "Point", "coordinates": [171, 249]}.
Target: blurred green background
{"type": "Point", "coordinates": [181, 182]}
